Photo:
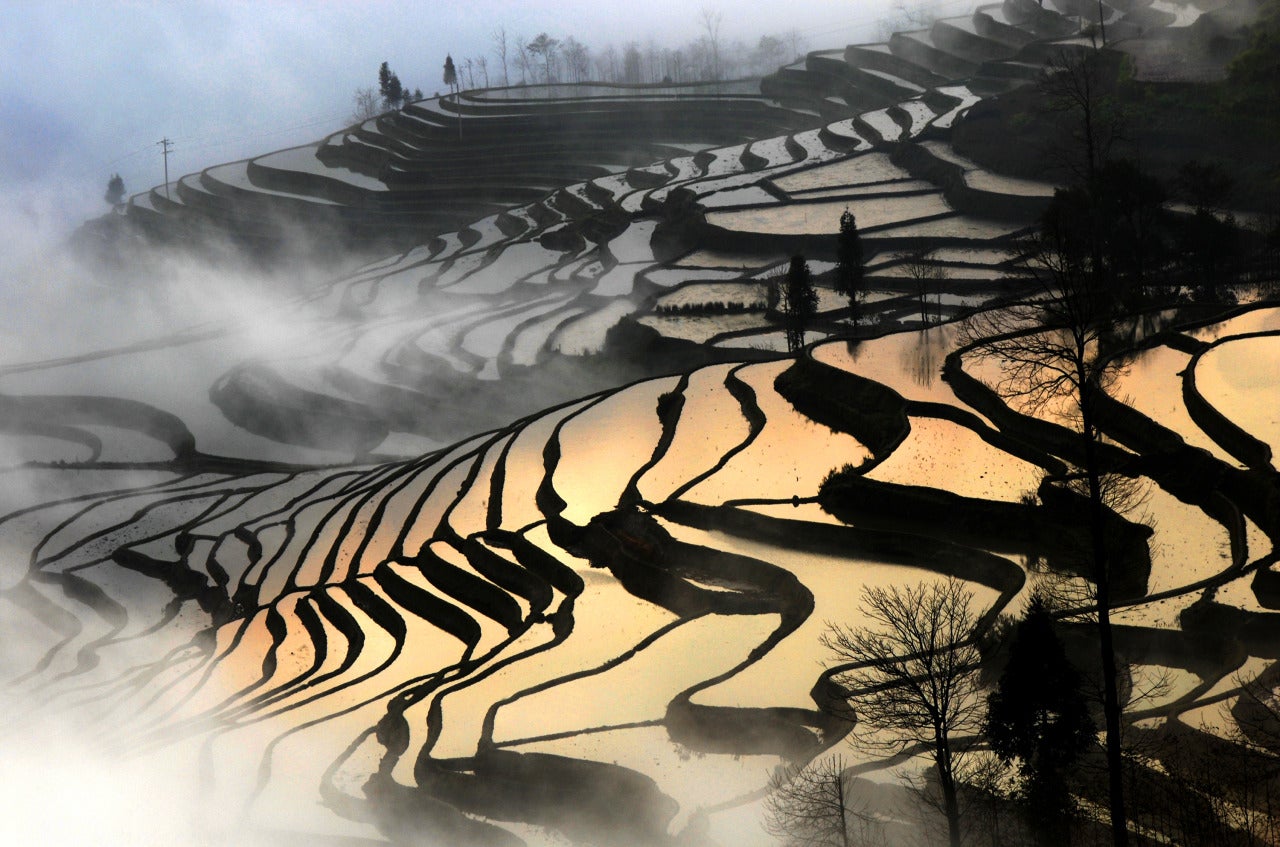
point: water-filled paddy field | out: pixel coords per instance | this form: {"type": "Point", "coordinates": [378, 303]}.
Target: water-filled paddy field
{"type": "Point", "coordinates": [530, 533]}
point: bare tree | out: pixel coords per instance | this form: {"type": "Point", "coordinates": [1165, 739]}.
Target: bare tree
{"type": "Point", "coordinates": [812, 806]}
{"type": "Point", "coordinates": [577, 59]}
{"type": "Point", "coordinates": [911, 668]}
{"type": "Point", "coordinates": [711, 21]}
{"type": "Point", "coordinates": [1074, 86]}
{"type": "Point", "coordinates": [523, 61]}
{"type": "Point", "coordinates": [1052, 351]}
{"type": "Point", "coordinates": [365, 104]}
{"type": "Point", "coordinates": [631, 61]}
{"type": "Point", "coordinates": [483, 64]}
{"type": "Point", "coordinates": [676, 66]}
{"type": "Point", "coordinates": [926, 276]}
{"type": "Point", "coordinates": [907, 16]}
{"type": "Point", "coordinates": [797, 42]}
{"type": "Point", "coordinates": [607, 64]}
{"type": "Point", "coordinates": [498, 38]}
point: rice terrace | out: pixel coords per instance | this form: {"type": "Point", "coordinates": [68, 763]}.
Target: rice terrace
{"type": "Point", "coordinates": [875, 449]}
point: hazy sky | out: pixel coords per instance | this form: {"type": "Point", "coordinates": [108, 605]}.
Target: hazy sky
{"type": "Point", "coordinates": [88, 88]}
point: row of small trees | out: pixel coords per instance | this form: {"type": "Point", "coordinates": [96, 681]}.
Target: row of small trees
{"type": "Point", "coordinates": [547, 59]}
{"type": "Point", "coordinates": [795, 300]}
{"type": "Point", "coordinates": [544, 58]}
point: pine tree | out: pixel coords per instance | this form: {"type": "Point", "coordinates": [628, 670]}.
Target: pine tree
{"type": "Point", "coordinates": [451, 80]}
{"type": "Point", "coordinates": [393, 93]}
{"type": "Point", "coordinates": [1037, 716]}
{"type": "Point", "coordinates": [849, 277]}
{"type": "Point", "coordinates": [450, 72]}
{"type": "Point", "coordinates": [384, 81]}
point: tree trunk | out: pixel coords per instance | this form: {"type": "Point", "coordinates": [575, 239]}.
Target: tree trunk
{"type": "Point", "coordinates": [1102, 579]}
{"type": "Point", "coordinates": [844, 810]}
{"type": "Point", "coordinates": [946, 779]}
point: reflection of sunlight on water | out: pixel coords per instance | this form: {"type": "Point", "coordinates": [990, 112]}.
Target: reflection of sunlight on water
{"type": "Point", "coordinates": [702, 328]}
{"type": "Point", "coordinates": [1241, 379]}
{"type": "Point", "coordinates": [789, 457]}
{"type": "Point", "coordinates": [1188, 545]}
{"type": "Point", "coordinates": [908, 362]}
{"type": "Point", "coordinates": [1153, 385]}
{"type": "Point", "coordinates": [720, 259]}
{"type": "Point", "coordinates": [606, 444]}
{"type": "Point", "coordinates": [711, 424]}
{"type": "Point", "coordinates": [824, 217]}
{"type": "Point", "coordinates": [585, 334]}
{"type": "Point", "coordinates": [1254, 320]}
{"type": "Point", "coordinates": [524, 469]}
{"type": "Point", "coordinates": [945, 455]}
{"type": "Point", "coordinates": [787, 674]}
{"type": "Point", "coordinates": [640, 688]}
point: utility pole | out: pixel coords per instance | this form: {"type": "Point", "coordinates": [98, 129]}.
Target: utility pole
{"type": "Point", "coordinates": [165, 146]}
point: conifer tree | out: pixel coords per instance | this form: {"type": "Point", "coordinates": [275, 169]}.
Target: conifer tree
{"type": "Point", "coordinates": [849, 277]}
{"type": "Point", "coordinates": [389, 86]}
{"type": "Point", "coordinates": [1038, 718]}
{"type": "Point", "coordinates": [450, 72]}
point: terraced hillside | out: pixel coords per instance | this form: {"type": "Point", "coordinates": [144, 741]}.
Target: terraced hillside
{"type": "Point", "coordinates": [529, 530]}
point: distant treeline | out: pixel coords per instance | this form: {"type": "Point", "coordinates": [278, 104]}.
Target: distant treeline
{"type": "Point", "coordinates": [516, 59]}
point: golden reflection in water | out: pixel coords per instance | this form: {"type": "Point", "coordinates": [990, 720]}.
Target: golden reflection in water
{"type": "Point", "coordinates": [1241, 379]}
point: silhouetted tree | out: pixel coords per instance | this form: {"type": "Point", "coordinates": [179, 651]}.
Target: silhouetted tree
{"type": "Point", "coordinates": [925, 278]}
{"type": "Point", "coordinates": [1038, 718]}
{"type": "Point", "coordinates": [389, 87]}
{"type": "Point", "coordinates": [1129, 203]}
{"type": "Point", "coordinates": [1077, 86]}
{"type": "Point", "coordinates": [450, 72]}
{"type": "Point", "coordinates": [1204, 185]}
{"type": "Point", "coordinates": [577, 59]}
{"type": "Point", "coordinates": [365, 104]}
{"type": "Point", "coordinates": [849, 275]}
{"type": "Point", "coordinates": [1052, 352]}
{"type": "Point", "coordinates": [1254, 74]}
{"type": "Point", "coordinates": [524, 62]}
{"type": "Point", "coordinates": [797, 300]}
{"type": "Point", "coordinates": [544, 46]}
{"type": "Point", "coordinates": [1209, 237]}
{"type": "Point", "coordinates": [711, 21]}
{"type": "Point", "coordinates": [115, 190]}
{"type": "Point", "coordinates": [812, 806]}
{"type": "Point", "coordinates": [912, 673]}
{"type": "Point", "coordinates": [631, 64]}
{"type": "Point", "coordinates": [500, 48]}
{"type": "Point", "coordinates": [451, 80]}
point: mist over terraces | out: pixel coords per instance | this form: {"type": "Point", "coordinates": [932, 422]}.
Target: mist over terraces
{"type": "Point", "coordinates": [474, 489]}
